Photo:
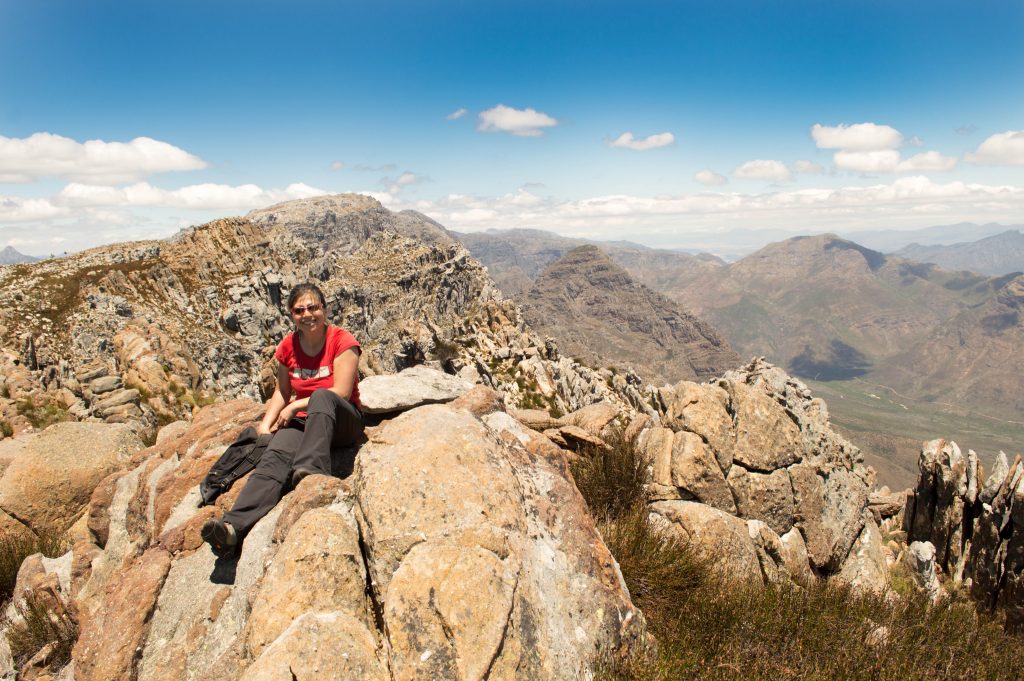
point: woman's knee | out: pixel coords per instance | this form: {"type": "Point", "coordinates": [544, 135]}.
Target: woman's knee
{"type": "Point", "coordinates": [324, 401]}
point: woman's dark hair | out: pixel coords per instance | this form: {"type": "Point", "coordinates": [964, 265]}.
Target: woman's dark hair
{"type": "Point", "coordinates": [303, 289]}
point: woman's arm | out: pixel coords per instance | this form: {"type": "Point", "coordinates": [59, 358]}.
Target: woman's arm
{"type": "Point", "coordinates": [277, 402]}
{"type": "Point", "coordinates": [345, 367]}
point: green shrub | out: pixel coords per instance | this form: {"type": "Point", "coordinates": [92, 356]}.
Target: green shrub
{"type": "Point", "coordinates": [6, 428]}
{"type": "Point", "coordinates": [41, 415]}
{"type": "Point", "coordinates": [5, 391]}
{"type": "Point", "coordinates": [40, 623]}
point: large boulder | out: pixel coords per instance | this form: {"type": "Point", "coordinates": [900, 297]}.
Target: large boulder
{"type": "Point", "coordinates": [47, 486]}
{"type": "Point", "coordinates": [410, 388]}
{"type": "Point", "coordinates": [722, 539]}
{"type": "Point", "coordinates": [455, 551]}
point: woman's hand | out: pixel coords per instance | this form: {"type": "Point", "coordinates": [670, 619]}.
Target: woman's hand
{"type": "Point", "coordinates": [264, 430]}
{"type": "Point", "coordinates": [285, 416]}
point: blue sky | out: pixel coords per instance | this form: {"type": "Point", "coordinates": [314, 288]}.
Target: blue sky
{"type": "Point", "coordinates": [919, 108]}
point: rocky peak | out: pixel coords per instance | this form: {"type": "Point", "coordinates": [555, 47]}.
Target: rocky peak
{"type": "Point", "coordinates": [164, 326]}
{"type": "Point", "coordinates": [340, 223]}
{"type": "Point", "coordinates": [599, 312]}
{"type": "Point", "coordinates": [11, 256]}
{"type": "Point", "coordinates": [812, 255]}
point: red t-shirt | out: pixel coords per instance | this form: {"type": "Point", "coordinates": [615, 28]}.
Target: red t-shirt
{"type": "Point", "coordinates": [308, 373]}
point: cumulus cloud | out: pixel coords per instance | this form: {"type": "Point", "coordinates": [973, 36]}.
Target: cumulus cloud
{"type": "Point", "coordinates": [824, 208]}
{"type": "Point", "coordinates": [520, 122]}
{"type": "Point", "coordinates": [17, 209]}
{"type": "Point", "coordinates": [775, 171]}
{"type": "Point", "coordinates": [808, 167]}
{"type": "Point", "coordinates": [1001, 149]}
{"type": "Point", "coordinates": [627, 141]}
{"type": "Point", "coordinates": [198, 196]}
{"type": "Point", "coordinates": [877, 161]}
{"type": "Point", "coordinates": [915, 141]}
{"type": "Point", "coordinates": [337, 165]}
{"type": "Point", "coordinates": [929, 160]}
{"type": "Point", "coordinates": [709, 178]}
{"type": "Point", "coordinates": [95, 161]}
{"type": "Point", "coordinates": [454, 115]}
{"type": "Point", "coordinates": [857, 137]}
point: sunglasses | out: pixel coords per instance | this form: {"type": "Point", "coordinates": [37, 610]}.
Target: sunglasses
{"type": "Point", "coordinates": [312, 307]}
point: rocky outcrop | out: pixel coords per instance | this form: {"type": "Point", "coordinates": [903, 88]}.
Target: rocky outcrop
{"type": "Point", "coordinates": [51, 478]}
{"type": "Point", "coordinates": [757, 448]}
{"type": "Point", "coordinates": [972, 523]}
{"type": "Point", "coordinates": [454, 551]}
{"type": "Point", "coordinates": [144, 333]}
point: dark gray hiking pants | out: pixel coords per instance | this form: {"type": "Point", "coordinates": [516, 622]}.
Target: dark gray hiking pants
{"type": "Point", "coordinates": [322, 442]}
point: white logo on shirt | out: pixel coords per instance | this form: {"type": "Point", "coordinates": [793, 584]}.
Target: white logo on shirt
{"type": "Point", "coordinates": [306, 374]}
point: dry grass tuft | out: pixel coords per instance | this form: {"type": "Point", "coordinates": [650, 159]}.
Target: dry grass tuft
{"type": "Point", "coordinates": [39, 625]}
{"type": "Point", "coordinates": [708, 628]}
{"type": "Point", "coordinates": [14, 551]}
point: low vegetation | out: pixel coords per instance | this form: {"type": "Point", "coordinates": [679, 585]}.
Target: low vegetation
{"type": "Point", "coordinates": [40, 415]}
{"type": "Point", "coordinates": [35, 621]}
{"type": "Point", "coordinates": [709, 628]}
{"type": "Point", "coordinates": [39, 623]}
{"type": "Point", "coordinates": [15, 549]}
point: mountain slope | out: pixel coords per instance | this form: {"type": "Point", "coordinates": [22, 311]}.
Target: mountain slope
{"type": "Point", "coordinates": [11, 256]}
{"type": "Point", "coordinates": [598, 312]}
{"type": "Point", "coordinates": [995, 255]}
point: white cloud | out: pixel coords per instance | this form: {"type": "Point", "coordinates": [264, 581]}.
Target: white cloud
{"type": "Point", "coordinates": [396, 185]}
{"type": "Point", "coordinates": [454, 115]}
{"type": "Point", "coordinates": [915, 141]}
{"type": "Point", "coordinates": [907, 201]}
{"type": "Point", "coordinates": [709, 178]}
{"type": "Point", "coordinates": [889, 161]}
{"type": "Point", "coordinates": [17, 209]}
{"type": "Point", "coordinates": [95, 161]}
{"type": "Point", "coordinates": [627, 141]}
{"type": "Point", "coordinates": [198, 196]}
{"type": "Point", "coordinates": [878, 161]}
{"type": "Point", "coordinates": [775, 171]}
{"type": "Point", "coordinates": [1002, 149]}
{"type": "Point", "coordinates": [808, 167]}
{"type": "Point", "coordinates": [857, 137]}
{"type": "Point", "coordinates": [520, 122]}
{"type": "Point", "coordinates": [929, 160]}
{"type": "Point", "coordinates": [337, 165]}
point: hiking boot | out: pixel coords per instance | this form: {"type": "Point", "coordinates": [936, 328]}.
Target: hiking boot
{"type": "Point", "coordinates": [299, 474]}
{"type": "Point", "coordinates": [221, 537]}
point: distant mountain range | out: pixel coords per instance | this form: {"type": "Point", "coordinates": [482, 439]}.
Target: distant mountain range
{"type": "Point", "coordinates": [916, 339]}
{"type": "Point", "coordinates": [739, 243]}
{"type": "Point", "coordinates": [10, 256]}
{"type": "Point", "coordinates": [995, 255]}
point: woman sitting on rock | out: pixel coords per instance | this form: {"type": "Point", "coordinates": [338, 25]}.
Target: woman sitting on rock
{"type": "Point", "coordinates": [314, 409]}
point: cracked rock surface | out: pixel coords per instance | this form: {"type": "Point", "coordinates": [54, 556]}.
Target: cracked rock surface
{"type": "Point", "coordinates": [453, 552]}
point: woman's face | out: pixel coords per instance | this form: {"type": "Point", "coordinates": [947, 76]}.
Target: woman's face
{"type": "Point", "coordinates": [308, 314]}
